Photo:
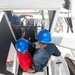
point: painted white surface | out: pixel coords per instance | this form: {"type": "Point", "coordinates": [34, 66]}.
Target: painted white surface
{"type": "Point", "coordinates": [73, 14]}
{"type": "Point", "coordinates": [66, 40]}
{"type": "Point", "coordinates": [37, 73]}
{"type": "Point", "coordinates": [30, 4]}
{"type": "Point", "coordinates": [59, 69]}
{"type": "Point", "coordinates": [11, 53]}
{"type": "Point", "coordinates": [12, 57]}
{"type": "Point", "coordinates": [1, 15]}
{"type": "Point", "coordinates": [73, 8]}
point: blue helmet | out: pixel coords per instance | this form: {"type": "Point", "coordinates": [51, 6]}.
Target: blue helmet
{"type": "Point", "coordinates": [44, 36]}
{"type": "Point", "coordinates": [22, 45]}
{"type": "Point", "coordinates": [15, 20]}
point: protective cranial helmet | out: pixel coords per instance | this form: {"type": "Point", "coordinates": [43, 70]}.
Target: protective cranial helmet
{"type": "Point", "coordinates": [44, 36]}
{"type": "Point", "coordinates": [22, 45]}
{"type": "Point", "coordinates": [15, 20]}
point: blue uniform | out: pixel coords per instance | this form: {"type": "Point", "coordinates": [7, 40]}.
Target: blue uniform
{"type": "Point", "coordinates": [41, 57]}
{"type": "Point", "coordinates": [17, 32]}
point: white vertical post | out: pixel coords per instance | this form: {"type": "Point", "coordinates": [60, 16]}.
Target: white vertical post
{"type": "Point", "coordinates": [55, 20]}
{"type": "Point", "coordinates": [73, 13]}
{"type": "Point", "coordinates": [49, 67]}
{"type": "Point", "coordinates": [15, 65]}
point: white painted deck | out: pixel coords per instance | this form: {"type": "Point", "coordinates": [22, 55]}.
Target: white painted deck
{"type": "Point", "coordinates": [38, 73]}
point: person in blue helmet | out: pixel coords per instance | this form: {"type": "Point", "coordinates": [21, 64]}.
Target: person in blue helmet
{"type": "Point", "coordinates": [24, 33]}
{"type": "Point", "coordinates": [46, 50]}
{"type": "Point", "coordinates": [24, 57]}
{"type": "Point", "coordinates": [16, 22]}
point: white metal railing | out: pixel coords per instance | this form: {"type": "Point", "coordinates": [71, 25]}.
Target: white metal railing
{"type": "Point", "coordinates": [59, 66]}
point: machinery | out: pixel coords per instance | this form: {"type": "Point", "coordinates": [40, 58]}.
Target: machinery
{"type": "Point", "coordinates": [36, 15]}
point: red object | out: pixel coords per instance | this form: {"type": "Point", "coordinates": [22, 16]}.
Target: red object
{"type": "Point", "coordinates": [25, 60]}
